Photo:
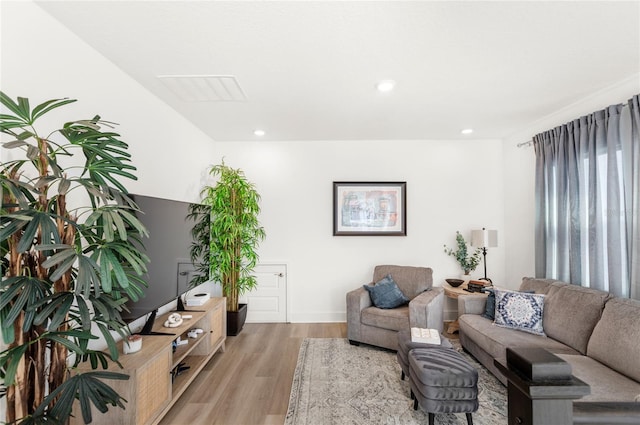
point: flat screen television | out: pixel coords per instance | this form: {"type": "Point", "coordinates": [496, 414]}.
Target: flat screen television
{"type": "Point", "coordinates": [170, 269]}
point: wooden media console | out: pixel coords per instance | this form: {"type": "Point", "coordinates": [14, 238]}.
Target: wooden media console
{"type": "Point", "coordinates": [154, 384]}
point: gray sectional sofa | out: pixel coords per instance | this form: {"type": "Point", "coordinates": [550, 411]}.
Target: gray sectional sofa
{"type": "Point", "coordinates": [598, 334]}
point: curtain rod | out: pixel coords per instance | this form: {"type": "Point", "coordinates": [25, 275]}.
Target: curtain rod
{"type": "Point", "coordinates": [530, 142]}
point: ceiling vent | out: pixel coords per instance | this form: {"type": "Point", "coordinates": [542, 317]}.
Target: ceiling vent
{"type": "Point", "coordinates": [204, 88]}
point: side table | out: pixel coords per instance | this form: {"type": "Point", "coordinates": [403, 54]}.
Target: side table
{"type": "Point", "coordinates": [454, 293]}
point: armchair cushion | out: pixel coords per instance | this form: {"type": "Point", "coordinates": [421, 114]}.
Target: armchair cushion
{"type": "Point", "coordinates": [386, 294]}
{"type": "Point", "coordinates": [412, 281]}
{"type": "Point", "coordinates": [393, 319]}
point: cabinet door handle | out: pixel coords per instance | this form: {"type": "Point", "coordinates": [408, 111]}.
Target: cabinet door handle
{"type": "Point", "coordinates": [279, 274]}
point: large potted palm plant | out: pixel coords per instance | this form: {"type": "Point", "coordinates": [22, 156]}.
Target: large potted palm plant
{"type": "Point", "coordinates": [69, 261]}
{"type": "Point", "coordinates": [226, 235]}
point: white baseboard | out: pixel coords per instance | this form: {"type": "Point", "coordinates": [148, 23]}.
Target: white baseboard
{"type": "Point", "coordinates": [318, 317]}
{"type": "Point", "coordinates": [341, 316]}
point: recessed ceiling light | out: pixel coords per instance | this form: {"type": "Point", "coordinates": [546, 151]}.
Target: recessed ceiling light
{"type": "Point", "coordinates": [385, 85]}
{"type": "Point", "coordinates": [467, 131]}
{"type": "Point", "coordinates": [259, 133]}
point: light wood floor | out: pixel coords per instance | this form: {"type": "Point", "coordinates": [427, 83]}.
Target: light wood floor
{"type": "Point", "coordinates": [250, 383]}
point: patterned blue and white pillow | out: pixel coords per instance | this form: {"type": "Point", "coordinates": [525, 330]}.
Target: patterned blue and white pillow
{"type": "Point", "coordinates": [521, 311]}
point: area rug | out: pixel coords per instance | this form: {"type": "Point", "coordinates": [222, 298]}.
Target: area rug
{"type": "Point", "coordinates": [337, 383]}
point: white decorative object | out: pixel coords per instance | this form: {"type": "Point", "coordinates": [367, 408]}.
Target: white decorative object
{"type": "Point", "coordinates": [427, 336]}
{"type": "Point", "coordinates": [198, 299]}
{"type": "Point", "coordinates": [173, 321]}
{"type": "Point", "coordinates": [132, 344]}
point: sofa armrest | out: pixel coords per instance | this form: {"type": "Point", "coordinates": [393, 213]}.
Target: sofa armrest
{"type": "Point", "coordinates": [606, 412]}
{"type": "Point", "coordinates": [426, 309]}
{"type": "Point", "coordinates": [357, 300]}
{"type": "Point", "coordinates": [471, 304]}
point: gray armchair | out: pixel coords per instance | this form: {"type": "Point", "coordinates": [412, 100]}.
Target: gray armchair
{"type": "Point", "coordinates": [368, 324]}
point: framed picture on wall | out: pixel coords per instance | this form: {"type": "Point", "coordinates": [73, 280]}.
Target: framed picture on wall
{"type": "Point", "coordinates": [370, 208]}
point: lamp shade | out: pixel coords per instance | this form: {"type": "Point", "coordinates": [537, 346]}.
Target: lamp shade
{"type": "Point", "coordinates": [484, 238]}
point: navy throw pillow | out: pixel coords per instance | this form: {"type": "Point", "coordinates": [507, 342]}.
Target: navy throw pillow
{"type": "Point", "coordinates": [490, 309]}
{"type": "Point", "coordinates": [386, 294]}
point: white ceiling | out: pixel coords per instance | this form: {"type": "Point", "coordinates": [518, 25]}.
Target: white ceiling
{"type": "Point", "coordinates": [308, 68]}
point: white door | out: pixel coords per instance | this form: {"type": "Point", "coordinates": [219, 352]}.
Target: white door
{"type": "Point", "coordinates": [267, 303]}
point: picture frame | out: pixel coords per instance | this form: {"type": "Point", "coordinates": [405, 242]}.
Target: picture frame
{"type": "Point", "coordinates": [369, 208]}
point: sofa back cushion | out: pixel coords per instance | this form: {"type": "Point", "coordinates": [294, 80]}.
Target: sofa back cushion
{"type": "Point", "coordinates": [571, 312]}
{"type": "Point", "coordinates": [538, 286]}
{"type": "Point", "coordinates": [412, 281]}
{"type": "Point", "coordinates": [615, 340]}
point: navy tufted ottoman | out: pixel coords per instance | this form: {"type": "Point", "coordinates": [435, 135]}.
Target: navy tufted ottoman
{"type": "Point", "coordinates": [442, 381]}
{"type": "Point", "coordinates": [405, 345]}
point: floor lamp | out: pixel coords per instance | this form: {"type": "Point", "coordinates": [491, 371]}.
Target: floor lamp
{"type": "Point", "coordinates": [484, 239]}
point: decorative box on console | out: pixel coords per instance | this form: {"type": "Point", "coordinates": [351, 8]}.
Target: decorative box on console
{"type": "Point", "coordinates": [198, 299]}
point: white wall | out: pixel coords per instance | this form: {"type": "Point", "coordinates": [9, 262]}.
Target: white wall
{"type": "Point", "coordinates": [451, 185]}
{"type": "Point", "coordinates": [42, 60]}
{"type": "Point", "coordinates": [519, 169]}
{"type": "Point", "coordinates": [447, 188]}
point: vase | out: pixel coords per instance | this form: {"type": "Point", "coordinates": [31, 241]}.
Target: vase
{"type": "Point", "coordinates": [236, 319]}
{"type": "Point", "coordinates": [465, 277]}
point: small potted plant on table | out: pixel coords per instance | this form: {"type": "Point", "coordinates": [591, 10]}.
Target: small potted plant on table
{"type": "Point", "coordinates": [468, 262]}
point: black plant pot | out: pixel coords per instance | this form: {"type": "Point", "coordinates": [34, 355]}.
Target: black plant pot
{"type": "Point", "coordinates": [235, 320]}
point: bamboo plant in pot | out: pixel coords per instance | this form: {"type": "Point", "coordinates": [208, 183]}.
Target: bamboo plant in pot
{"type": "Point", "coordinates": [69, 261]}
{"type": "Point", "coordinates": [226, 236]}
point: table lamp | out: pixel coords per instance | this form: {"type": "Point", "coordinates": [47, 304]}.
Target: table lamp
{"type": "Point", "coordinates": [484, 239]}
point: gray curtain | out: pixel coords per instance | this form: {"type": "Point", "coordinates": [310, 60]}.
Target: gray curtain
{"type": "Point", "coordinates": [631, 151]}
{"type": "Point", "coordinates": [586, 192]}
